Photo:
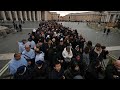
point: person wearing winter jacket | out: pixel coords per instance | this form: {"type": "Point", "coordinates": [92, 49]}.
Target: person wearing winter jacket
{"type": "Point", "coordinates": [67, 55]}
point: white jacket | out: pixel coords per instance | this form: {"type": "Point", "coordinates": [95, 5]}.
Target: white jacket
{"type": "Point", "coordinates": [67, 56]}
{"type": "Point", "coordinates": [39, 57]}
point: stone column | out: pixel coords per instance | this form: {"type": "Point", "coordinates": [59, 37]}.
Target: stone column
{"type": "Point", "coordinates": [3, 15]}
{"type": "Point", "coordinates": [15, 13]}
{"type": "Point", "coordinates": [45, 13]}
{"type": "Point", "coordinates": [25, 15]}
{"type": "Point", "coordinates": [10, 15]}
{"type": "Point", "coordinates": [20, 12]}
{"type": "Point", "coordinates": [33, 12]}
{"type": "Point", "coordinates": [114, 18]}
{"type": "Point", "coordinates": [38, 15]}
{"type": "Point", "coordinates": [109, 18]}
{"type": "Point", "coordinates": [29, 14]}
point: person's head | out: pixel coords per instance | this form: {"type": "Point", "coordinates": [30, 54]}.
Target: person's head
{"type": "Point", "coordinates": [39, 64]}
{"type": "Point", "coordinates": [98, 47]}
{"type": "Point", "coordinates": [27, 48]}
{"type": "Point", "coordinates": [24, 41]}
{"type": "Point", "coordinates": [89, 43]}
{"type": "Point", "coordinates": [117, 64]}
{"type": "Point", "coordinates": [78, 57]}
{"type": "Point", "coordinates": [61, 41]}
{"type": "Point", "coordinates": [29, 39]}
{"type": "Point", "coordinates": [53, 39]}
{"type": "Point", "coordinates": [49, 41]}
{"type": "Point", "coordinates": [71, 37]}
{"type": "Point", "coordinates": [57, 66]}
{"type": "Point", "coordinates": [103, 47]}
{"type": "Point", "coordinates": [17, 56]}
{"type": "Point", "coordinates": [33, 37]}
{"type": "Point", "coordinates": [34, 30]}
{"type": "Point", "coordinates": [37, 50]}
{"type": "Point", "coordinates": [86, 50]}
{"type": "Point", "coordinates": [40, 42]}
{"type": "Point", "coordinates": [68, 48]}
{"type": "Point", "coordinates": [75, 66]}
{"type": "Point", "coordinates": [21, 70]}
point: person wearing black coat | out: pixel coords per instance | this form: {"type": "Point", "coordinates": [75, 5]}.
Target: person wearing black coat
{"type": "Point", "coordinates": [73, 71]}
{"type": "Point", "coordinates": [40, 70]}
{"type": "Point", "coordinates": [93, 70]}
{"type": "Point", "coordinates": [77, 51]}
{"type": "Point", "coordinates": [22, 73]}
{"type": "Point", "coordinates": [105, 52]}
{"type": "Point", "coordinates": [60, 48]}
{"type": "Point", "coordinates": [57, 72]}
{"type": "Point", "coordinates": [96, 54]}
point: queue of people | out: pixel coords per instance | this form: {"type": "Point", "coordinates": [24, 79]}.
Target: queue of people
{"type": "Point", "coordinates": [56, 52]}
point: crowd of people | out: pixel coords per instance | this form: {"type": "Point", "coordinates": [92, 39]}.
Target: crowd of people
{"type": "Point", "coordinates": [54, 51]}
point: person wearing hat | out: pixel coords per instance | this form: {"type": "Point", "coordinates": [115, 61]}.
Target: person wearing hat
{"type": "Point", "coordinates": [22, 73]}
{"type": "Point", "coordinates": [40, 71]}
{"type": "Point", "coordinates": [113, 70]}
{"type": "Point", "coordinates": [16, 62]}
{"type": "Point", "coordinates": [34, 32]}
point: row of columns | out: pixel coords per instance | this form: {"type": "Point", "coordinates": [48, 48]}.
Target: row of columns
{"type": "Point", "coordinates": [111, 17]}
{"type": "Point", "coordinates": [23, 15]}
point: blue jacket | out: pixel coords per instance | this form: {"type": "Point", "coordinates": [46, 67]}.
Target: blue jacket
{"type": "Point", "coordinates": [28, 55]}
{"type": "Point", "coordinates": [14, 64]}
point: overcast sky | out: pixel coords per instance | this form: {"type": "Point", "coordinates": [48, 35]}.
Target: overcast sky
{"type": "Point", "coordinates": [63, 13]}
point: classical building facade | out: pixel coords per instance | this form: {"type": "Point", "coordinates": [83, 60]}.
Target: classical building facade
{"type": "Point", "coordinates": [24, 15]}
{"type": "Point", "coordinates": [55, 16]}
{"type": "Point", "coordinates": [104, 16]}
{"type": "Point", "coordinates": [86, 16]}
{"type": "Point", "coordinates": [111, 16]}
